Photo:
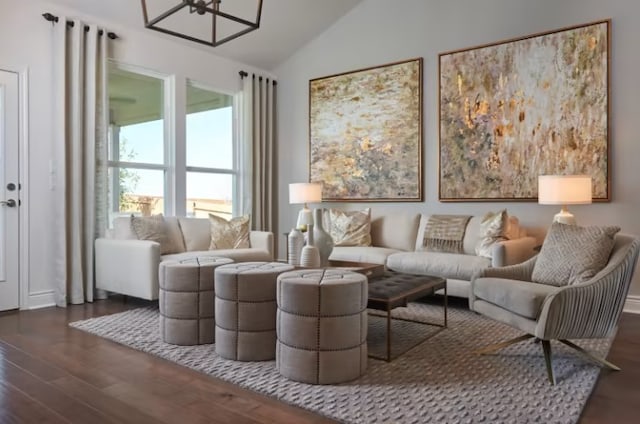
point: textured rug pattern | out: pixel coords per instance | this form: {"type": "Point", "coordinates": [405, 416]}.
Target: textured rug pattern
{"type": "Point", "coordinates": [440, 380]}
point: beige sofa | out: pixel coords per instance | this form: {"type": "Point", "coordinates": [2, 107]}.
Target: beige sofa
{"type": "Point", "coordinates": [129, 266]}
{"type": "Point", "coordinates": [397, 240]}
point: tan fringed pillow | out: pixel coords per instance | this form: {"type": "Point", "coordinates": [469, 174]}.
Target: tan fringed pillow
{"type": "Point", "coordinates": [349, 228]}
{"type": "Point", "coordinates": [152, 228]}
{"type": "Point", "coordinates": [493, 229]}
{"type": "Point", "coordinates": [233, 234]}
{"type": "Point", "coordinates": [445, 233]}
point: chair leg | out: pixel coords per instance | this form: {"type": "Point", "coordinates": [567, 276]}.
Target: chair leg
{"type": "Point", "coordinates": [601, 361]}
{"type": "Point", "coordinates": [546, 348]}
{"type": "Point", "coordinates": [495, 347]}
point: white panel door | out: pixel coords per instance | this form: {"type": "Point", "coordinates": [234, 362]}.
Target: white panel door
{"type": "Point", "coordinates": [9, 192]}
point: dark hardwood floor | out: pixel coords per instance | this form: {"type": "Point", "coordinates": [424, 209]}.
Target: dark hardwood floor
{"type": "Point", "coordinates": [50, 373]}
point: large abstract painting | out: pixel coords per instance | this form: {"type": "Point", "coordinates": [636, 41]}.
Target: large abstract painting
{"type": "Point", "coordinates": [522, 108]}
{"type": "Point", "coordinates": [365, 132]}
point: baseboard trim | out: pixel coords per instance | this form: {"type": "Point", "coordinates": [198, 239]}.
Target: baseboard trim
{"type": "Point", "coordinates": [41, 299]}
{"type": "Point", "coordinates": [632, 305]}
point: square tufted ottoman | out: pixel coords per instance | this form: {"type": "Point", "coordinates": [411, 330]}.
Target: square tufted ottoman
{"type": "Point", "coordinates": [322, 326]}
{"type": "Point", "coordinates": [186, 300]}
{"type": "Point", "coordinates": [246, 310]}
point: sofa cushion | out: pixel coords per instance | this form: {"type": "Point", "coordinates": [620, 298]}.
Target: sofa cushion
{"type": "Point", "coordinates": [514, 231]}
{"type": "Point", "coordinates": [232, 234]}
{"type": "Point", "coordinates": [196, 233]}
{"type": "Point", "coordinates": [348, 228]}
{"type": "Point", "coordinates": [238, 255]}
{"type": "Point", "coordinates": [572, 254]}
{"type": "Point", "coordinates": [395, 231]}
{"type": "Point", "coordinates": [370, 254]}
{"type": "Point", "coordinates": [520, 297]}
{"type": "Point", "coordinates": [447, 265]}
{"type": "Point", "coordinates": [174, 233]}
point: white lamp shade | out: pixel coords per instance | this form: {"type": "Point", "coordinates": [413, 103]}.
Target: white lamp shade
{"type": "Point", "coordinates": [564, 189]}
{"type": "Point", "coordinates": [305, 193]}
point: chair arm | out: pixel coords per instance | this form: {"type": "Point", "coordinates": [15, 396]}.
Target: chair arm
{"type": "Point", "coordinates": [262, 240]}
{"type": "Point", "coordinates": [521, 271]}
{"type": "Point", "coordinates": [586, 310]}
{"type": "Point", "coordinates": [511, 252]}
{"type": "Point", "coordinates": [128, 267]}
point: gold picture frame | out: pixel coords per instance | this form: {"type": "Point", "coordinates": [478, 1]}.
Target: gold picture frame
{"type": "Point", "coordinates": [520, 108]}
{"type": "Point", "coordinates": [365, 133]}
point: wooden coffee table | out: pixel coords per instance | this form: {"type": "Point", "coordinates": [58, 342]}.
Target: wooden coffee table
{"type": "Point", "coordinates": [393, 290]}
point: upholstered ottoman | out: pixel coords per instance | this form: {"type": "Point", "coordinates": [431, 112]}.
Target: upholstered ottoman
{"type": "Point", "coordinates": [246, 310]}
{"type": "Point", "coordinates": [186, 300]}
{"type": "Point", "coordinates": [322, 326]}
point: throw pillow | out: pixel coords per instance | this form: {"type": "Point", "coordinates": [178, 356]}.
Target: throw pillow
{"type": "Point", "coordinates": [233, 234]}
{"type": "Point", "coordinates": [152, 228]}
{"type": "Point", "coordinates": [571, 254]}
{"type": "Point", "coordinates": [492, 230]}
{"type": "Point", "coordinates": [445, 233]}
{"type": "Point", "coordinates": [349, 228]}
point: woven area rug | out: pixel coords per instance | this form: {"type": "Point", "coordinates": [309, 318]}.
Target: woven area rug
{"type": "Point", "coordinates": [440, 380]}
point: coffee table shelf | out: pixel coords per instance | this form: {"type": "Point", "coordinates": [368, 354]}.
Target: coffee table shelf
{"type": "Point", "coordinates": [393, 290]}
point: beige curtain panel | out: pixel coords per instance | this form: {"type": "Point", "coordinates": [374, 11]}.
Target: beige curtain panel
{"type": "Point", "coordinates": [260, 133]}
{"type": "Point", "coordinates": [79, 156]}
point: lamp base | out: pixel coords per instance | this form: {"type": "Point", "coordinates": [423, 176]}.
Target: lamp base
{"type": "Point", "coordinates": [565, 217]}
{"type": "Point", "coordinates": [305, 217]}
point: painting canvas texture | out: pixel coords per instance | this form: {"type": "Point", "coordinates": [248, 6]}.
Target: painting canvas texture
{"type": "Point", "coordinates": [365, 131]}
{"type": "Point", "coordinates": [534, 106]}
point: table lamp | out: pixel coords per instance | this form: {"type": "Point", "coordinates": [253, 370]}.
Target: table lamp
{"type": "Point", "coordinates": [564, 190]}
{"type": "Point", "coordinates": [305, 193]}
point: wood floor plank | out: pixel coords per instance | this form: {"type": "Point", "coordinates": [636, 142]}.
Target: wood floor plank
{"type": "Point", "coordinates": [17, 407]}
{"type": "Point", "coordinates": [53, 373]}
{"type": "Point", "coordinates": [66, 357]}
{"type": "Point", "coordinates": [161, 408]}
{"type": "Point", "coordinates": [66, 406]}
{"type": "Point", "coordinates": [102, 401]}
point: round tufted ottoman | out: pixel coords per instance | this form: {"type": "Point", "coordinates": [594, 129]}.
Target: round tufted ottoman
{"type": "Point", "coordinates": [186, 300]}
{"type": "Point", "coordinates": [246, 310]}
{"type": "Point", "coordinates": [322, 326]}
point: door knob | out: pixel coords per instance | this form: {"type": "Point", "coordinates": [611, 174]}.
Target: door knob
{"type": "Point", "coordinates": [10, 203]}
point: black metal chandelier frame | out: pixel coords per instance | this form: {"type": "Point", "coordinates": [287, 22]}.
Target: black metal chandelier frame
{"type": "Point", "coordinates": [202, 7]}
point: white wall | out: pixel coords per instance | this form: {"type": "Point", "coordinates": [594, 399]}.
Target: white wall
{"type": "Point", "coordinates": [25, 44]}
{"type": "Point", "coordinates": [380, 31]}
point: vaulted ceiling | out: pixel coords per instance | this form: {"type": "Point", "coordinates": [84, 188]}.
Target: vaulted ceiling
{"type": "Point", "coordinates": [286, 25]}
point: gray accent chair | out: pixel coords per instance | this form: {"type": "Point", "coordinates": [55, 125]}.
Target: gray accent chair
{"type": "Point", "coordinates": [581, 311]}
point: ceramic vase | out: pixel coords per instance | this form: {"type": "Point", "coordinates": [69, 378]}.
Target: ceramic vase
{"type": "Point", "coordinates": [310, 257]}
{"type": "Point", "coordinates": [322, 239]}
{"type": "Point", "coordinates": [295, 242]}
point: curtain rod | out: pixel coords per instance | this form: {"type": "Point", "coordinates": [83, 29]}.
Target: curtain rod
{"type": "Point", "coordinates": [245, 74]}
{"type": "Point", "coordinates": [52, 18]}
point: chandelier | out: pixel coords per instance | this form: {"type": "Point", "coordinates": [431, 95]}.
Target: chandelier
{"type": "Point", "coordinates": [209, 22]}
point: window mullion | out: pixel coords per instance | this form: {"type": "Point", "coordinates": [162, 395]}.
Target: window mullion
{"type": "Point", "coordinates": [180, 146]}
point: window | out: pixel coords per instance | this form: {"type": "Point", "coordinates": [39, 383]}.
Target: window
{"type": "Point", "coordinates": [136, 152]}
{"type": "Point", "coordinates": [211, 175]}
{"type": "Point", "coordinates": [145, 175]}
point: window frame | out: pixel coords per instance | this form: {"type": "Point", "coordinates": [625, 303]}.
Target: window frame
{"type": "Point", "coordinates": [175, 144]}
{"type": "Point", "coordinates": [235, 145]}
